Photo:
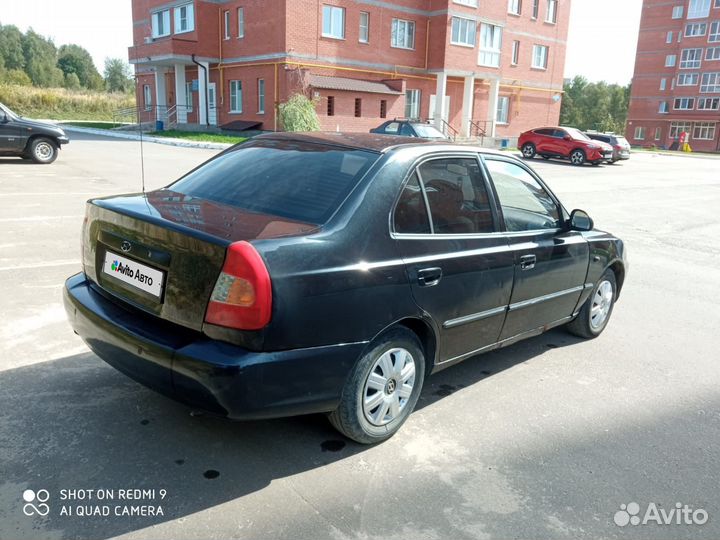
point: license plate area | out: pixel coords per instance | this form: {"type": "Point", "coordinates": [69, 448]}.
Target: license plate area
{"type": "Point", "coordinates": [135, 276]}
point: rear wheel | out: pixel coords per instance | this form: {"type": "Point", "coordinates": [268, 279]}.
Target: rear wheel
{"type": "Point", "coordinates": [43, 150]}
{"type": "Point", "coordinates": [596, 311]}
{"type": "Point", "coordinates": [528, 150]}
{"type": "Point", "coordinates": [383, 388]}
{"type": "Point", "coordinates": [577, 157]}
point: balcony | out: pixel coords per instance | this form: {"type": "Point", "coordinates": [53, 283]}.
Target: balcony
{"type": "Point", "coordinates": [158, 51]}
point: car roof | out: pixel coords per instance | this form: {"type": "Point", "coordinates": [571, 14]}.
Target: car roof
{"type": "Point", "coordinates": [374, 142]}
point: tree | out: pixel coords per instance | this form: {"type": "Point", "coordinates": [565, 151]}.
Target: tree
{"type": "Point", "coordinates": [11, 49]}
{"type": "Point", "coordinates": [298, 114]}
{"type": "Point", "coordinates": [15, 76]}
{"type": "Point", "coordinates": [40, 60]}
{"type": "Point", "coordinates": [598, 106]}
{"type": "Point", "coordinates": [75, 59]}
{"type": "Point", "coordinates": [117, 75]}
{"type": "Point", "coordinates": [72, 82]}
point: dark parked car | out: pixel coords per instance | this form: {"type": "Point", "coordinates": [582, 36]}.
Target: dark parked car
{"type": "Point", "coordinates": [621, 148]}
{"type": "Point", "coordinates": [565, 143]}
{"type": "Point", "coordinates": [29, 139]}
{"type": "Point", "coordinates": [307, 273]}
{"type": "Point", "coordinates": [409, 128]}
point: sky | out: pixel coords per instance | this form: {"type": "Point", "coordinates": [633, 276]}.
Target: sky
{"type": "Point", "coordinates": [601, 42]}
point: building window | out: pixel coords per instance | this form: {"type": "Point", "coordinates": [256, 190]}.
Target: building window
{"type": "Point", "coordinates": [684, 104]}
{"type": "Point", "coordinates": [188, 97]}
{"type": "Point", "coordinates": [515, 53]}
{"type": "Point", "coordinates": [664, 107]}
{"type": "Point", "coordinates": [503, 107]}
{"type": "Point", "coordinates": [668, 38]}
{"type": "Point", "coordinates": [463, 32]}
{"type": "Point", "coordinates": [383, 108]}
{"type": "Point", "coordinates": [712, 53]}
{"type": "Point", "coordinates": [490, 43]}
{"type": "Point", "coordinates": [704, 131]}
{"type": "Point", "coordinates": [147, 96]}
{"type": "Point", "coordinates": [670, 60]}
{"type": "Point", "coordinates": [663, 83]}
{"type": "Point", "coordinates": [710, 83]}
{"type": "Point", "coordinates": [364, 32]}
{"type": "Point", "coordinates": [540, 56]}
{"type": "Point", "coordinates": [639, 133]}
{"type": "Point", "coordinates": [235, 96]}
{"type": "Point", "coordinates": [695, 29]}
{"type": "Point", "coordinates": [412, 104]}
{"type": "Point", "coordinates": [688, 79]}
{"type": "Point", "coordinates": [358, 107]}
{"type": "Point", "coordinates": [677, 12]}
{"type": "Point", "coordinates": [515, 7]}
{"type": "Point", "coordinates": [403, 34]}
{"type": "Point", "coordinates": [261, 96]}
{"type": "Point", "coordinates": [536, 9]}
{"type": "Point", "coordinates": [551, 12]}
{"type": "Point", "coordinates": [708, 104]}
{"type": "Point", "coordinates": [690, 58]}
{"type": "Point", "coordinates": [698, 9]}
{"type": "Point", "coordinates": [471, 3]}
{"type": "Point", "coordinates": [241, 22]}
{"type": "Point", "coordinates": [161, 23]}
{"type": "Point", "coordinates": [333, 22]}
{"type": "Point", "coordinates": [676, 128]}
{"type": "Point", "coordinates": [716, 4]}
{"type": "Point", "coordinates": [658, 133]}
{"type": "Point", "coordinates": [226, 25]}
{"type": "Point", "coordinates": [331, 106]}
{"type": "Point", "coordinates": [714, 35]}
{"type": "Point", "coordinates": [184, 19]}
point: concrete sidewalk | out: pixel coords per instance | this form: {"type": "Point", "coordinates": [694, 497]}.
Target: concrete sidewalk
{"type": "Point", "coordinates": [146, 138]}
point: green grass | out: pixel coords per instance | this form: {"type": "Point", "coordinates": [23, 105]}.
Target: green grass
{"type": "Point", "coordinates": [96, 125]}
{"type": "Point", "coordinates": [195, 136]}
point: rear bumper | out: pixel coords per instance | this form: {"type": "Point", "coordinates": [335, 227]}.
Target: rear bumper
{"type": "Point", "coordinates": [204, 373]}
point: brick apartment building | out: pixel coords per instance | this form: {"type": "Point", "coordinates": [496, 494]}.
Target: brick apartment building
{"type": "Point", "coordinates": [490, 64]}
{"type": "Point", "coordinates": [676, 86]}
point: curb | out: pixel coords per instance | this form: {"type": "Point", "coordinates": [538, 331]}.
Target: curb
{"type": "Point", "coordinates": [147, 138]}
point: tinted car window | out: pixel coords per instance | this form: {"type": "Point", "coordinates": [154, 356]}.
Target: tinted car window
{"type": "Point", "coordinates": [411, 215]}
{"type": "Point", "coordinates": [429, 132]}
{"type": "Point", "coordinates": [559, 133]}
{"type": "Point", "coordinates": [406, 130]}
{"type": "Point", "coordinates": [297, 180]}
{"type": "Point", "coordinates": [457, 196]}
{"type": "Point", "coordinates": [602, 138]}
{"type": "Point", "coordinates": [526, 205]}
{"type": "Point", "coordinates": [392, 127]}
{"type": "Point", "coordinates": [544, 131]}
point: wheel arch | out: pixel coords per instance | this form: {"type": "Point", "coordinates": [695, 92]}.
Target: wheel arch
{"type": "Point", "coordinates": [34, 136]}
{"type": "Point", "coordinates": [618, 268]}
{"type": "Point", "coordinates": [424, 331]}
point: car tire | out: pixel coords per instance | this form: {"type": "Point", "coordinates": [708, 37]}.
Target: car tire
{"type": "Point", "coordinates": [372, 407]}
{"type": "Point", "coordinates": [577, 157]}
{"type": "Point", "coordinates": [43, 150]}
{"type": "Point", "coordinates": [528, 150]}
{"type": "Point", "coordinates": [595, 163]}
{"type": "Point", "coordinates": [597, 309]}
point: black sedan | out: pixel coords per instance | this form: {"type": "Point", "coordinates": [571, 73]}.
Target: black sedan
{"type": "Point", "coordinates": [29, 139]}
{"type": "Point", "coordinates": [409, 128]}
{"type": "Point", "coordinates": [306, 273]}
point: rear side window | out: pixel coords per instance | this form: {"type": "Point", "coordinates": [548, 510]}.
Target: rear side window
{"type": "Point", "coordinates": [296, 180]}
{"type": "Point", "coordinates": [392, 127]}
{"type": "Point", "coordinates": [411, 215]}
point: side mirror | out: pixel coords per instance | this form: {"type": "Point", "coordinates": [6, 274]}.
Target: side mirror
{"type": "Point", "coordinates": [567, 138]}
{"type": "Point", "coordinates": [3, 118]}
{"type": "Point", "coordinates": [580, 221]}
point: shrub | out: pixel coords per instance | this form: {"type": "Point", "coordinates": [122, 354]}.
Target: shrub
{"type": "Point", "coordinates": [17, 77]}
{"type": "Point", "coordinates": [298, 114]}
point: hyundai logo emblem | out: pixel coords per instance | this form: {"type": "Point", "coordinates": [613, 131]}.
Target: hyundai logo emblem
{"type": "Point", "coordinates": [125, 246]}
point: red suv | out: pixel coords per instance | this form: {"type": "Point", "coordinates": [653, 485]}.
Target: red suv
{"type": "Point", "coordinates": [565, 143]}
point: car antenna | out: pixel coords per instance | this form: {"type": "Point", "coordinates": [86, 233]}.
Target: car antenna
{"type": "Point", "coordinates": [139, 124]}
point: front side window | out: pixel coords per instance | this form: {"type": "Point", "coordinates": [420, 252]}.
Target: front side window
{"type": "Point", "coordinates": [235, 96]}
{"type": "Point", "coordinates": [333, 24]}
{"type": "Point", "coordinates": [184, 19]}
{"type": "Point", "coordinates": [161, 23]}
{"type": "Point", "coordinates": [412, 103]}
{"type": "Point", "coordinates": [690, 58]}
{"type": "Point", "coordinates": [698, 9]}
{"type": "Point", "coordinates": [490, 44]}
{"type": "Point", "coordinates": [411, 216]}
{"type": "Point", "coordinates": [710, 83]}
{"type": "Point", "coordinates": [704, 131]}
{"type": "Point", "coordinates": [364, 30]}
{"type": "Point", "coordinates": [551, 12]}
{"type": "Point", "coordinates": [503, 107]}
{"type": "Point", "coordinates": [457, 196]}
{"type": "Point", "coordinates": [463, 32]}
{"type": "Point", "coordinates": [540, 56]}
{"type": "Point", "coordinates": [526, 205]}
{"type": "Point", "coordinates": [403, 34]}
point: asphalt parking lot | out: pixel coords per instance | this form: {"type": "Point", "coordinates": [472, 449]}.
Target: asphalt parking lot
{"type": "Point", "coordinates": [544, 439]}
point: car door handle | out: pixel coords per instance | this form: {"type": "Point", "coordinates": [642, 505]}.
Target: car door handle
{"type": "Point", "coordinates": [527, 262]}
{"type": "Point", "coordinates": [427, 277]}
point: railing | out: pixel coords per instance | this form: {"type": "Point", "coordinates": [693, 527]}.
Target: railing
{"type": "Point", "coordinates": [478, 129]}
{"type": "Point", "coordinates": [449, 131]}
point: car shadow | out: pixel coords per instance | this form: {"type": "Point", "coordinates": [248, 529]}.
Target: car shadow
{"type": "Point", "coordinates": [561, 163]}
{"type": "Point", "coordinates": [77, 423]}
{"type": "Point", "coordinates": [17, 161]}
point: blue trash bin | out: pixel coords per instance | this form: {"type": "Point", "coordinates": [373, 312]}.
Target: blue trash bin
{"type": "Point", "coordinates": [159, 125]}
{"type": "Point", "coordinates": [504, 143]}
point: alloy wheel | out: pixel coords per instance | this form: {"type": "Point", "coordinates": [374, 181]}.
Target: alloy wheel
{"type": "Point", "coordinates": [601, 304]}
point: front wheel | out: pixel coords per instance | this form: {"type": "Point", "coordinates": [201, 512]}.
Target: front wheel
{"type": "Point", "coordinates": [528, 150]}
{"type": "Point", "coordinates": [595, 313]}
{"type": "Point", "coordinates": [382, 390]}
{"type": "Point", "coordinates": [577, 157]}
{"type": "Point", "coordinates": [43, 150]}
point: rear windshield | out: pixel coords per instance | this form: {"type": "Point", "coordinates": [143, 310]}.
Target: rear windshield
{"type": "Point", "coordinates": [430, 132]}
{"type": "Point", "coordinates": [622, 140]}
{"type": "Point", "coordinates": [296, 180]}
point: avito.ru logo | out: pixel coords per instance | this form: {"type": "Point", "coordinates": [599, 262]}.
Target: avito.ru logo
{"type": "Point", "coordinates": [681, 514]}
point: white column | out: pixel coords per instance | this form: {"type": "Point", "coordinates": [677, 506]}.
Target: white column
{"type": "Point", "coordinates": [202, 93]}
{"type": "Point", "coordinates": [440, 92]}
{"type": "Point", "coordinates": [492, 105]}
{"type": "Point", "coordinates": [160, 94]}
{"type": "Point", "coordinates": [180, 94]}
{"type": "Point", "coordinates": [467, 107]}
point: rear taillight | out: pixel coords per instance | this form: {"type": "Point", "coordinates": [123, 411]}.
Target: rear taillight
{"type": "Point", "coordinates": [242, 297]}
{"type": "Point", "coordinates": [618, 147]}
